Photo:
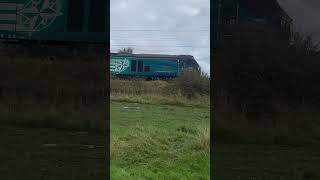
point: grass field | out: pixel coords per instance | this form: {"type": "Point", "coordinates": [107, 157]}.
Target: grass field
{"type": "Point", "coordinates": [159, 141]}
{"type": "Point", "coordinates": [39, 153]}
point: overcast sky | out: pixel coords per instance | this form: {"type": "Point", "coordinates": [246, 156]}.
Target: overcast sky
{"type": "Point", "coordinates": [182, 26]}
{"type": "Point", "coordinates": [162, 27]}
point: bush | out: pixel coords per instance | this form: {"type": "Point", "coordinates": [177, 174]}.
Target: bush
{"type": "Point", "coordinates": [192, 83]}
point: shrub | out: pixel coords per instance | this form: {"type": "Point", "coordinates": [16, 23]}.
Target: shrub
{"type": "Point", "coordinates": [192, 83]}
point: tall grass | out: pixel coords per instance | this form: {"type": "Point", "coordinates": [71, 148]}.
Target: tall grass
{"type": "Point", "coordinates": [266, 89]}
{"type": "Point", "coordinates": [59, 94]}
{"type": "Point", "coordinates": [139, 87]}
{"type": "Point", "coordinates": [191, 88]}
{"type": "Point", "coordinates": [203, 138]}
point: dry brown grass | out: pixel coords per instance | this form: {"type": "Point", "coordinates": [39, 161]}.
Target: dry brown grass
{"type": "Point", "coordinates": [191, 88]}
{"type": "Point", "coordinates": [153, 92]}
{"type": "Point", "coordinates": [203, 138]}
{"type": "Point", "coordinates": [138, 87]}
{"type": "Point", "coordinates": [57, 94]}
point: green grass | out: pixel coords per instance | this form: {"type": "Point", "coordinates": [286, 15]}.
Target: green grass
{"type": "Point", "coordinates": [159, 141]}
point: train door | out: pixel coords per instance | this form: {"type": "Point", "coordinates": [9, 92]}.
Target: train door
{"type": "Point", "coordinates": [133, 66]}
{"type": "Point", "coordinates": [140, 66]}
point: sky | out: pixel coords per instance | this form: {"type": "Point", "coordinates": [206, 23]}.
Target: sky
{"type": "Point", "coordinates": [183, 26]}
{"type": "Point", "coordinates": [162, 27]}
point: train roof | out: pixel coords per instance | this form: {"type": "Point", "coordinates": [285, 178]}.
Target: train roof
{"type": "Point", "coordinates": [152, 55]}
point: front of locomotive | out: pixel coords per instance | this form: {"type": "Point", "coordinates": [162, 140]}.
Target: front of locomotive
{"type": "Point", "coordinates": [187, 63]}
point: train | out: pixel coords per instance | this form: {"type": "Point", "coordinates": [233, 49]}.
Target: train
{"type": "Point", "coordinates": [67, 23]}
{"type": "Point", "coordinates": [55, 20]}
{"type": "Point", "coordinates": [151, 66]}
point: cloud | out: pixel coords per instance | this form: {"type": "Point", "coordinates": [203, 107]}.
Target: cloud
{"type": "Point", "coordinates": [162, 27]}
{"type": "Point", "coordinates": [189, 10]}
{"type": "Point", "coordinates": [150, 16]}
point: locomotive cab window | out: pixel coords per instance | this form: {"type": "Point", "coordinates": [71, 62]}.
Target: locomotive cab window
{"type": "Point", "coordinates": [133, 66]}
{"type": "Point", "coordinates": [140, 66]}
{"type": "Point", "coordinates": [147, 69]}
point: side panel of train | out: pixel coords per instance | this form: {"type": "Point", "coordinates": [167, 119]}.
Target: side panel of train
{"type": "Point", "coordinates": [57, 20]}
{"type": "Point", "coordinates": [143, 67]}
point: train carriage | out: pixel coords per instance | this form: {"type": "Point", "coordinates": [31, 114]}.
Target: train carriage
{"type": "Point", "coordinates": [150, 65]}
{"type": "Point", "coordinates": [54, 20]}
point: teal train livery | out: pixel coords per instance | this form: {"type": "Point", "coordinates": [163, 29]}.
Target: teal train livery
{"type": "Point", "coordinates": [56, 20]}
{"type": "Point", "coordinates": [150, 65]}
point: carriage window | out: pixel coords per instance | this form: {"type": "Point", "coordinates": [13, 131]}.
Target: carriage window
{"type": "Point", "coordinates": [140, 66]}
{"type": "Point", "coordinates": [75, 17]}
{"type": "Point", "coordinates": [146, 68]}
{"type": "Point", "coordinates": [133, 66]}
{"type": "Point", "coordinates": [97, 16]}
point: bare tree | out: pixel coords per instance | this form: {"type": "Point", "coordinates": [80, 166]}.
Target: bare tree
{"type": "Point", "coordinates": [128, 50]}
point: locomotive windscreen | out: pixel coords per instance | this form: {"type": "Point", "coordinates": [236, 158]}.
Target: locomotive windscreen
{"type": "Point", "coordinates": [97, 16]}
